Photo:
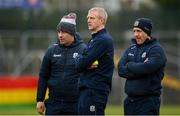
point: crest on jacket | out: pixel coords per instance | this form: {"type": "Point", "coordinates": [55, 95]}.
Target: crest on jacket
{"type": "Point", "coordinates": [143, 55]}
{"type": "Point", "coordinates": [75, 55]}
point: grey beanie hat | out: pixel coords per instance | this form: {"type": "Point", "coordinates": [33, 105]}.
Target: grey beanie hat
{"type": "Point", "coordinates": [68, 24]}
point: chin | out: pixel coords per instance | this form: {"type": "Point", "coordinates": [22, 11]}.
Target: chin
{"type": "Point", "coordinates": [90, 28]}
{"type": "Point", "coordinates": [62, 43]}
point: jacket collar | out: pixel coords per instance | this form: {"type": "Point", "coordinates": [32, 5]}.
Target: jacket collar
{"type": "Point", "coordinates": [99, 32]}
{"type": "Point", "coordinates": [147, 41]}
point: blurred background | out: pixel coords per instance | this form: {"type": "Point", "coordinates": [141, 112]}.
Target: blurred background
{"type": "Point", "coordinates": [28, 27]}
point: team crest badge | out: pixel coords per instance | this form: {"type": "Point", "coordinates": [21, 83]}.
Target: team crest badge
{"type": "Point", "coordinates": [75, 55]}
{"type": "Point", "coordinates": [92, 108]}
{"type": "Point", "coordinates": [143, 55]}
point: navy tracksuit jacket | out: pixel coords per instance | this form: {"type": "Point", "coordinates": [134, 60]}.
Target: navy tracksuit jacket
{"type": "Point", "coordinates": [98, 80]}
{"type": "Point", "coordinates": [100, 48]}
{"type": "Point", "coordinates": [143, 68]}
{"type": "Point", "coordinates": [59, 75]}
{"type": "Point", "coordinates": [143, 78]}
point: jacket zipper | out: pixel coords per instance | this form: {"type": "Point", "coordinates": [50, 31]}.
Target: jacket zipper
{"type": "Point", "coordinates": [65, 61]}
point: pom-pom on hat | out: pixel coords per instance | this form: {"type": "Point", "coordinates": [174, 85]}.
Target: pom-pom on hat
{"type": "Point", "coordinates": [68, 24]}
{"type": "Point", "coordinates": [145, 24]}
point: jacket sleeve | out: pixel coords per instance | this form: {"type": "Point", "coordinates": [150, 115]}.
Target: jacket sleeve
{"type": "Point", "coordinates": [43, 77]}
{"type": "Point", "coordinates": [155, 60]}
{"type": "Point", "coordinates": [97, 49]}
{"type": "Point", "coordinates": [83, 48]}
{"type": "Point", "coordinates": [122, 67]}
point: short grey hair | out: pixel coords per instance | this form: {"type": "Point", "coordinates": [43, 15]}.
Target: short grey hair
{"type": "Point", "coordinates": [102, 13]}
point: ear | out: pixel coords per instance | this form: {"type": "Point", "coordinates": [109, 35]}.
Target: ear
{"type": "Point", "coordinates": [102, 21]}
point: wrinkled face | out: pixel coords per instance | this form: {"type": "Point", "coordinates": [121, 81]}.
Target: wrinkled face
{"type": "Point", "coordinates": [94, 21]}
{"type": "Point", "coordinates": [65, 38]}
{"type": "Point", "coordinates": [139, 35]}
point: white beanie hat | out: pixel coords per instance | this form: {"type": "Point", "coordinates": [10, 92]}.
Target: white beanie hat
{"type": "Point", "coordinates": [68, 24]}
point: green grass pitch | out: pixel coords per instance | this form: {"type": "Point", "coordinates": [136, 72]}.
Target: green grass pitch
{"type": "Point", "coordinates": [30, 109]}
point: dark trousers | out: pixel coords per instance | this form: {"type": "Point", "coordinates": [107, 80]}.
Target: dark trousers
{"type": "Point", "coordinates": [54, 107]}
{"type": "Point", "coordinates": [92, 102]}
{"type": "Point", "coordinates": [142, 106]}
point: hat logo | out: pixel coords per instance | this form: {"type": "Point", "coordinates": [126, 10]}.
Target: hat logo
{"type": "Point", "coordinates": [136, 23]}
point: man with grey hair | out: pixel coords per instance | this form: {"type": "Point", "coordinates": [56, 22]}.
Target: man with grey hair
{"type": "Point", "coordinates": [97, 65]}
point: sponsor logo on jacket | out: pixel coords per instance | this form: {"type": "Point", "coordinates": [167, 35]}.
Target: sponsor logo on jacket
{"type": "Point", "coordinates": [130, 54]}
{"type": "Point", "coordinates": [56, 55]}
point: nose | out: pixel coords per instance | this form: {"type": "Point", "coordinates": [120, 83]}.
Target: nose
{"type": "Point", "coordinates": [88, 20]}
{"type": "Point", "coordinates": [135, 33]}
{"type": "Point", "coordinates": [59, 34]}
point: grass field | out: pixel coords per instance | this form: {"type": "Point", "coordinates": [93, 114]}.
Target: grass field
{"type": "Point", "coordinates": [110, 110]}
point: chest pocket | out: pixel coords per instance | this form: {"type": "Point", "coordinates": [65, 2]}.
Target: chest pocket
{"type": "Point", "coordinates": [57, 60]}
{"type": "Point", "coordinates": [131, 55]}
{"type": "Point", "coordinates": [137, 54]}
{"type": "Point", "coordinates": [144, 53]}
{"type": "Point", "coordinates": [70, 62]}
{"type": "Point", "coordinates": [71, 55]}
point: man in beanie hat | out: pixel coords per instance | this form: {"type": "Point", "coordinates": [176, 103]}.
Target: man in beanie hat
{"type": "Point", "coordinates": [58, 72]}
{"type": "Point", "coordinates": [142, 65]}
{"type": "Point", "coordinates": [68, 24]}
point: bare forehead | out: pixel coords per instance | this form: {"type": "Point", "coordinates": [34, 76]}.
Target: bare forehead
{"type": "Point", "coordinates": [92, 13]}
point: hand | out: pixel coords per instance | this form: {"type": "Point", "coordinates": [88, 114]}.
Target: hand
{"type": "Point", "coordinates": [94, 65]}
{"type": "Point", "coordinates": [40, 107]}
{"type": "Point", "coordinates": [146, 60]}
